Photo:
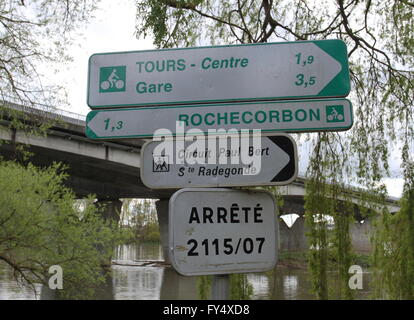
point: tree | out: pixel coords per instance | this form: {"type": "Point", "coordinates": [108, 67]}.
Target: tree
{"type": "Point", "coordinates": [40, 227]}
{"type": "Point", "coordinates": [34, 32]}
{"type": "Point", "coordinates": [380, 40]}
{"type": "Point", "coordinates": [144, 221]}
{"type": "Point", "coordinates": [393, 254]}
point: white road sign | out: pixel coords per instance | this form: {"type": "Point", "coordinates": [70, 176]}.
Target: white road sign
{"type": "Point", "coordinates": [221, 231]}
{"type": "Point", "coordinates": [215, 163]}
{"type": "Point", "coordinates": [264, 71]}
{"type": "Point", "coordinates": [270, 117]}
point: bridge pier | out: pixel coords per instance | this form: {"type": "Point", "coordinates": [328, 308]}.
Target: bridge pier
{"type": "Point", "coordinates": [360, 236]}
{"type": "Point", "coordinates": [293, 238]}
{"type": "Point", "coordinates": [162, 215]}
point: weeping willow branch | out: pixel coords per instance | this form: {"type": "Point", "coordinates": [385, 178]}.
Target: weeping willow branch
{"type": "Point", "coordinates": [379, 36]}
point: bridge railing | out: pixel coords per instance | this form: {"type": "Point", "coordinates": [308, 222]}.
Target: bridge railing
{"type": "Point", "coordinates": [43, 110]}
{"type": "Point", "coordinates": [47, 111]}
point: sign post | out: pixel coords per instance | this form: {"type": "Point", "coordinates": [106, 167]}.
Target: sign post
{"type": "Point", "coordinates": [220, 287]}
{"type": "Point", "coordinates": [220, 91]}
{"type": "Point", "coordinates": [264, 71]}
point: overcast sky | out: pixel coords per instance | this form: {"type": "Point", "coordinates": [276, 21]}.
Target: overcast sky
{"type": "Point", "coordinates": [112, 30]}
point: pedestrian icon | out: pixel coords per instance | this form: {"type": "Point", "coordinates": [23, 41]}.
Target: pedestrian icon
{"type": "Point", "coordinates": [335, 113]}
{"type": "Point", "coordinates": [112, 79]}
{"type": "Point", "coordinates": [160, 164]}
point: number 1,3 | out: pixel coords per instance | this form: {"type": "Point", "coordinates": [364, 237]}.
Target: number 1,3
{"type": "Point", "coordinates": [119, 124]}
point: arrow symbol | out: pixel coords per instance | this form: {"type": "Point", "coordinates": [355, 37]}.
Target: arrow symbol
{"type": "Point", "coordinates": [289, 169]}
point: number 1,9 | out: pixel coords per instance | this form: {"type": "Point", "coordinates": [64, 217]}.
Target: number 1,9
{"type": "Point", "coordinates": [308, 60]}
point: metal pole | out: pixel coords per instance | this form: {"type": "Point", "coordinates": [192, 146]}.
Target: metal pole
{"type": "Point", "coordinates": [220, 288]}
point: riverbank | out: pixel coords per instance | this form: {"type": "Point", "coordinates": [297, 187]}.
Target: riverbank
{"type": "Point", "coordinates": [299, 260]}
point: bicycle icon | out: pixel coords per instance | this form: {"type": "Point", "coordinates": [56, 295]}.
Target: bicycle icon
{"type": "Point", "coordinates": [335, 115]}
{"type": "Point", "coordinates": [112, 79]}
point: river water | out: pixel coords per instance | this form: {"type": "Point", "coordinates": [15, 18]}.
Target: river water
{"type": "Point", "coordinates": [139, 273]}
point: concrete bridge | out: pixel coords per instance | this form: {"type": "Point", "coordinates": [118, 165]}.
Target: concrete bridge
{"type": "Point", "coordinates": [110, 169]}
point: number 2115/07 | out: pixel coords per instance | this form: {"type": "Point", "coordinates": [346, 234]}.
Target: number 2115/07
{"type": "Point", "coordinates": [227, 246]}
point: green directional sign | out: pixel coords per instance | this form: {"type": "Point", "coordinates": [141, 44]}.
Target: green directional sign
{"type": "Point", "coordinates": [265, 71]}
{"type": "Point", "coordinates": [270, 117]}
